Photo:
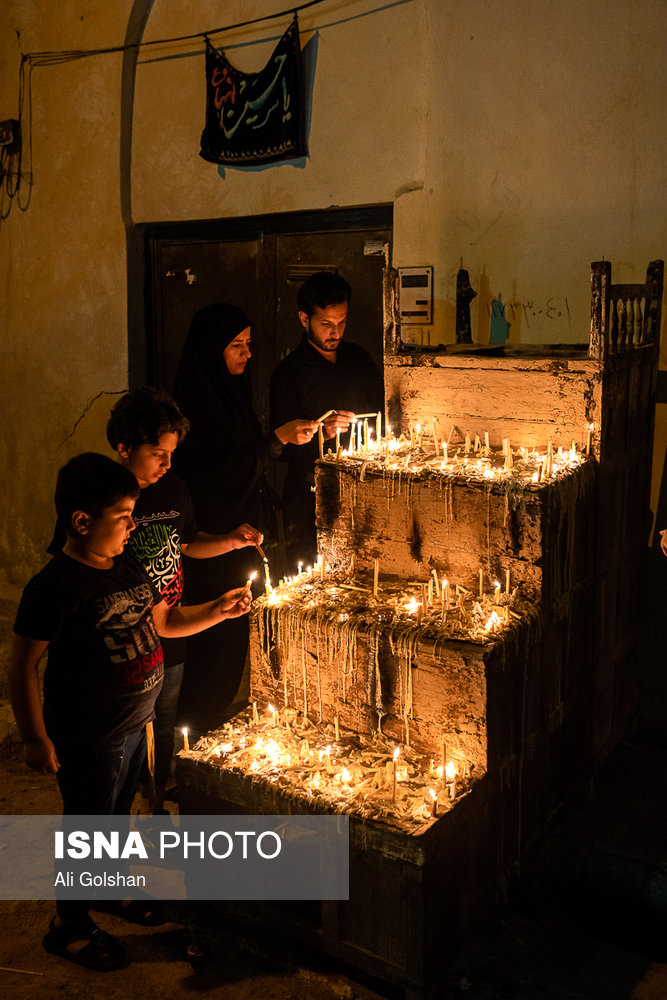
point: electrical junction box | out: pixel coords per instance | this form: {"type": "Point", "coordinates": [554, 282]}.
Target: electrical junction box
{"type": "Point", "coordinates": [415, 287]}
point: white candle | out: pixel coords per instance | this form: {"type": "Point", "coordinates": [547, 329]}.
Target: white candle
{"type": "Point", "coordinates": [376, 574]}
{"type": "Point", "coordinates": [255, 716]}
{"type": "Point", "coordinates": [507, 581]}
{"type": "Point", "coordinates": [336, 728]}
{"type": "Point", "coordinates": [481, 583]}
{"type": "Point", "coordinates": [589, 439]}
{"type": "Point", "coordinates": [337, 442]}
{"type": "Point", "coordinates": [186, 742]}
{"type": "Point", "coordinates": [434, 802]}
{"type": "Point", "coordinates": [437, 585]}
{"type": "Point", "coordinates": [320, 439]}
{"type": "Point", "coordinates": [350, 447]}
{"type": "Point", "coordinates": [444, 760]}
{"type": "Point", "coordinates": [496, 590]}
{"type": "Point", "coordinates": [435, 435]}
{"type": "Point", "coordinates": [366, 434]}
{"type": "Point", "coordinates": [467, 444]}
{"type": "Point", "coordinates": [396, 753]}
{"type": "Point", "coordinates": [378, 427]}
{"type": "Point", "coordinates": [248, 583]}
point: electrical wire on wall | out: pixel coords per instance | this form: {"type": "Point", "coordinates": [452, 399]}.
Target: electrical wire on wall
{"type": "Point", "coordinates": [16, 159]}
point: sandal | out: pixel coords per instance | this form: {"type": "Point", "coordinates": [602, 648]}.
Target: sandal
{"type": "Point", "coordinates": [102, 953]}
{"type": "Point", "coordinates": [147, 912]}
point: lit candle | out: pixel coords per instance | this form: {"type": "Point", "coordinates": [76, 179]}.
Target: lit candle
{"type": "Point", "coordinates": [481, 583]}
{"type": "Point", "coordinates": [434, 802]}
{"type": "Point", "coordinates": [496, 590]}
{"type": "Point", "coordinates": [274, 712]}
{"type": "Point", "coordinates": [376, 574]}
{"type": "Point", "coordinates": [450, 775]}
{"type": "Point", "coordinates": [589, 439]}
{"type": "Point", "coordinates": [248, 583]}
{"type": "Point", "coordinates": [378, 427]}
{"type": "Point", "coordinates": [396, 753]}
{"type": "Point", "coordinates": [299, 568]}
{"type": "Point", "coordinates": [186, 742]}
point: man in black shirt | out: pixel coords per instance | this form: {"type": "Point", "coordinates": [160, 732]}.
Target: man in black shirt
{"type": "Point", "coordinates": [324, 373]}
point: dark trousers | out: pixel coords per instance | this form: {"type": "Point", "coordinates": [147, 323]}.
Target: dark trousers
{"type": "Point", "coordinates": [166, 710]}
{"type": "Point", "coordinates": [98, 779]}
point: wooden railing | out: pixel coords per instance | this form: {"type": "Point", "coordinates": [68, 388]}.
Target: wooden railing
{"type": "Point", "coordinates": [624, 317]}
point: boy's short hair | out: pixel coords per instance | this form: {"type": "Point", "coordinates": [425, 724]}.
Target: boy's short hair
{"type": "Point", "coordinates": [142, 416]}
{"type": "Point", "coordinates": [322, 289]}
{"type": "Point", "coordinates": [91, 482]}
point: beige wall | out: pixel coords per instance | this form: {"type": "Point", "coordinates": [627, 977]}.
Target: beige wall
{"type": "Point", "coordinates": [525, 138]}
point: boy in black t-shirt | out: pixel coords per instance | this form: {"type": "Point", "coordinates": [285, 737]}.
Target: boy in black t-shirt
{"type": "Point", "coordinates": [100, 616]}
{"type": "Point", "coordinates": [145, 428]}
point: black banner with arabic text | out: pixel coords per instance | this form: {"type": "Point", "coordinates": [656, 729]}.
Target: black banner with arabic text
{"type": "Point", "coordinates": [254, 117]}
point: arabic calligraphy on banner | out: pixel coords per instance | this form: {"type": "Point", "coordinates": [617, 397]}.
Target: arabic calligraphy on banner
{"type": "Point", "coordinates": [254, 117]}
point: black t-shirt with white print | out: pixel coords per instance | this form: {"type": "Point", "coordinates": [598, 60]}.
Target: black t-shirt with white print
{"type": "Point", "coordinates": [165, 519]}
{"type": "Point", "coordinates": [105, 667]}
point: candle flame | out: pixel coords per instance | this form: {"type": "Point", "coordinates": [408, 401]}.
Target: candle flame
{"type": "Point", "coordinates": [431, 792]}
{"type": "Point", "coordinates": [451, 770]}
{"type": "Point", "coordinates": [397, 752]}
{"type": "Point", "coordinates": [494, 621]}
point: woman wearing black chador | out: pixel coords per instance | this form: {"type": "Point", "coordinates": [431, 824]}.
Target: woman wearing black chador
{"type": "Point", "coordinates": [223, 460]}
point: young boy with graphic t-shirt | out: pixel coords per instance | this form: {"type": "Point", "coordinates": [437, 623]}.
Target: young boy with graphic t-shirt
{"type": "Point", "coordinates": [100, 616]}
{"type": "Point", "coordinates": [144, 428]}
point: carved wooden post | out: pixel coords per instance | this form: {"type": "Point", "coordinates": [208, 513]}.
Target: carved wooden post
{"type": "Point", "coordinates": [600, 282]}
{"type": "Point", "coordinates": [655, 274]}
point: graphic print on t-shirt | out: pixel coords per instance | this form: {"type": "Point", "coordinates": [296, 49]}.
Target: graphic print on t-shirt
{"type": "Point", "coordinates": [156, 544]}
{"type": "Point", "coordinates": [131, 637]}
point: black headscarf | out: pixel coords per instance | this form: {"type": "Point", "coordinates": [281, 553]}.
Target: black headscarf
{"type": "Point", "coordinates": [224, 456]}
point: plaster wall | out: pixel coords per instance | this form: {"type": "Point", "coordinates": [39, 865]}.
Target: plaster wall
{"type": "Point", "coordinates": [62, 265]}
{"type": "Point", "coordinates": [526, 140]}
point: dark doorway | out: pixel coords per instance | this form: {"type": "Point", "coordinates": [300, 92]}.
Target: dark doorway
{"type": "Point", "coordinates": [258, 263]}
